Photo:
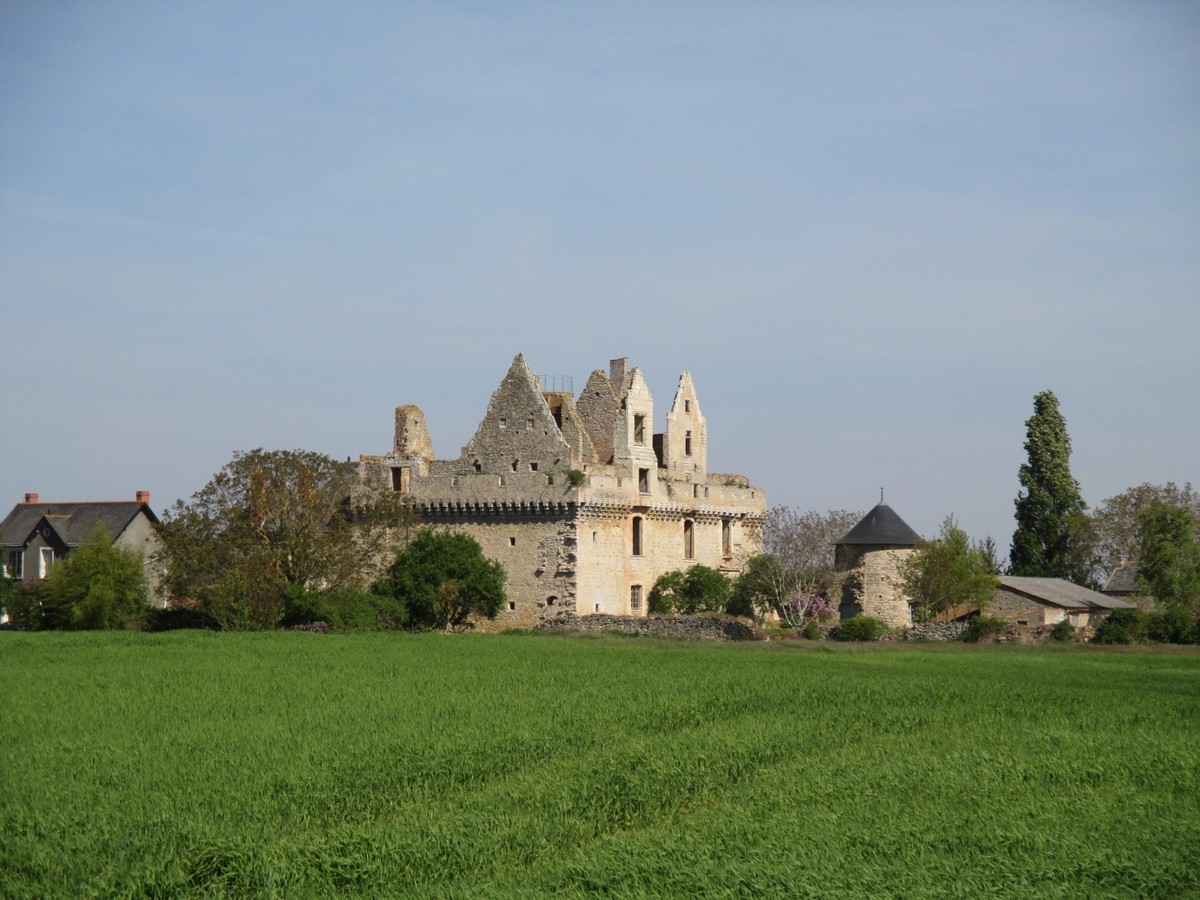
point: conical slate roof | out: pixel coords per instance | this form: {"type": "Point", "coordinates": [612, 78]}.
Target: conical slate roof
{"type": "Point", "coordinates": [881, 526]}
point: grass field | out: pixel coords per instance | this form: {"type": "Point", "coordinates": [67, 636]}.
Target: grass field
{"type": "Point", "coordinates": [504, 765]}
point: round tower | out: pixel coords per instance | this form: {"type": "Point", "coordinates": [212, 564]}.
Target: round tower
{"type": "Point", "coordinates": [871, 554]}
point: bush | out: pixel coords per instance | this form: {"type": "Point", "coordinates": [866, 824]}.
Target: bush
{"type": "Point", "coordinates": [344, 610]}
{"type": "Point", "coordinates": [699, 589]}
{"type": "Point", "coordinates": [861, 628]}
{"type": "Point", "coordinates": [982, 626]}
{"type": "Point", "coordinates": [98, 586]}
{"type": "Point", "coordinates": [1063, 631]}
{"type": "Point", "coordinates": [1121, 626]}
{"type": "Point", "coordinates": [174, 618]}
{"type": "Point", "coordinates": [441, 579]}
{"type": "Point", "coordinates": [575, 477]}
{"type": "Point", "coordinates": [811, 631]}
{"type": "Point", "coordinates": [22, 605]}
{"type": "Point", "coordinates": [1170, 626]}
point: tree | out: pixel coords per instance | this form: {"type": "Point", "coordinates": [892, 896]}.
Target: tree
{"type": "Point", "coordinates": [274, 519]}
{"type": "Point", "coordinates": [1169, 557]}
{"type": "Point", "coordinates": [1116, 527]}
{"type": "Point", "coordinates": [1051, 539]}
{"type": "Point", "coordinates": [947, 572]}
{"type": "Point", "coordinates": [444, 579]}
{"type": "Point", "coordinates": [699, 589]}
{"type": "Point", "coordinates": [796, 562]}
{"type": "Point", "coordinates": [98, 586]}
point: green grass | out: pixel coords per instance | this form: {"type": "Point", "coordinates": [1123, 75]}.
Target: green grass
{"type": "Point", "coordinates": [502, 765]}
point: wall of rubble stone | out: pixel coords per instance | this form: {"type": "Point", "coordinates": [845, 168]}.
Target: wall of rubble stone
{"type": "Point", "coordinates": [936, 631]}
{"type": "Point", "coordinates": [687, 627]}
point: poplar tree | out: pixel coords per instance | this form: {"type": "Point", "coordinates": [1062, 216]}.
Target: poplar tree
{"type": "Point", "coordinates": [1051, 539]}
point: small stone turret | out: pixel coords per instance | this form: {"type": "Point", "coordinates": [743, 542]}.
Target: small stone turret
{"type": "Point", "coordinates": [871, 554]}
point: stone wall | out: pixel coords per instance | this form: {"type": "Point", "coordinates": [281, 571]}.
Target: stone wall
{"type": "Point", "coordinates": [686, 627]}
{"type": "Point", "coordinates": [936, 631]}
{"type": "Point", "coordinates": [871, 587]}
{"type": "Point", "coordinates": [1014, 607]}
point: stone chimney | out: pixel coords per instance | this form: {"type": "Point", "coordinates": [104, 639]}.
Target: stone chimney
{"type": "Point", "coordinates": [31, 498]}
{"type": "Point", "coordinates": [143, 497]}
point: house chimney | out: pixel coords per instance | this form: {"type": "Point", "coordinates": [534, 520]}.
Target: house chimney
{"type": "Point", "coordinates": [143, 497]}
{"type": "Point", "coordinates": [31, 498]}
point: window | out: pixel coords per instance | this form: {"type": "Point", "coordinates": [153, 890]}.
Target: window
{"type": "Point", "coordinates": [550, 601]}
{"type": "Point", "coordinates": [635, 598]}
{"type": "Point", "coordinates": [503, 422]}
{"type": "Point", "coordinates": [512, 542]}
{"type": "Point", "coordinates": [687, 406]}
{"type": "Point", "coordinates": [512, 605]}
{"type": "Point", "coordinates": [514, 465]}
{"type": "Point", "coordinates": [644, 481]}
{"type": "Point", "coordinates": [529, 424]}
{"type": "Point", "coordinates": [16, 565]}
{"type": "Point", "coordinates": [695, 490]}
{"type": "Point", "coordinates": [689, 539]}
{"type": "Point", "coordinates": [45, 558]}
{"type": "Point", "coordinates": [533, 467]}
{"type": "Point", "coordinates": [639, 429]}
{"type": "Point", "coordinates": [726, 537]}
{"type": "Point", "coordinates": [400, 478]}
{"type": "Point", "coordinates": [637, 535]}
{"type": "Point", "coordinates": [478, 466]}
{"type": "Point", "coordinates": [687, 443]}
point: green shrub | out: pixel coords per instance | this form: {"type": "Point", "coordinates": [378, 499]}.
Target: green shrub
{"type": "Point", "coordinates": [174, 618]}
{"type": "Point", "coordinates": [344, 610]}
{"type": "Point", "coordinates": [982, 626]}
{"type": "Point", "coordinates": [1063, 631]}
{"type": "Point", "coordinates": [811, 631]}
{"type": "Point", "coordinates": [861, 628]}
{"type": "Point", "coordinates": [1170, 626]}
{"type": "Point", "coordinates": [575, 477]}
{"type": "Point", "coordinates": [22, 605]}
{"type": "Point", "coordinates": [98, 586]}
{"type": "Point", "coordinates": [1121, 626]}
{"type": "Point", "coordinates": [699, 589]}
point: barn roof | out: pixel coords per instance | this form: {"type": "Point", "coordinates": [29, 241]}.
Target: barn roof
{"type": "Point", "coordinates": [1058, 592]}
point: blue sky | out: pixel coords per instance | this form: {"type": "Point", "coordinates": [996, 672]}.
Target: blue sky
{"type": "Point", "coordinates": [871, 232]}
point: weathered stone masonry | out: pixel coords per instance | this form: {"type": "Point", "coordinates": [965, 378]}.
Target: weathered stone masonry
{"type": "Point", "coordinates": [580, 501]}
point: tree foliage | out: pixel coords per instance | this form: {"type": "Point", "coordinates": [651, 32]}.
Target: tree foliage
{"type": "Point", "coordinates": [271, 520]}
{"type": "Point", "coordinates": [97, 586]}
{"type": "Point", "coordinates": [443, 580]}
{"type": "Point", "coordinates": [947, 572]}
{"type": "Point", "coordinates": [796, 562]}
{"type": "Point", "coordinates": [1169, 557]}
{"type": "Point", "coordinates": [699, 589]}
{"type": "Point", "coordinates": [1052, 535]}
{"type": "Point", "coordinates": [1116, 527]}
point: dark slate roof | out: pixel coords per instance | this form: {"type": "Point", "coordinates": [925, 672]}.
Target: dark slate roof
{"type": "Point", "coordinates": [70, 521]}
{"type": "Point", "coordinates": [1058, 592]}
{"type": "Point", "coordinates": [881, 526]}
{"type": "Point", "coordinates": [1123, 580]}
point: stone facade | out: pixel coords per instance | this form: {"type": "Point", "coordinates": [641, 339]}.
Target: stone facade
{"type": "Point", "coordinates": [579, 500]}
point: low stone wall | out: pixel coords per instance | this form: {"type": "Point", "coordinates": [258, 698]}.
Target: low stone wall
{"type": "Point", "coordinates": [687, 627]}
{"type": "Point", "coordinates": [936, 631]}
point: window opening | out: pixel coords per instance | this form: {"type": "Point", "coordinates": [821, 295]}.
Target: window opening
{"type": "Point", "coordinates": [16, 565]}
{"type": "Point", "coordinates": [512, 542]}
{"type": "Point", "coordinates": [514, 465]}
{"type": "Point", "coordinates": [689, 539]}
{"type": "Point", "coordinates": [644, 481]}
{"type": "Point", "coordinates": [533, 467]}
{"type": "Point", "coordinates": [726, 537]}
{"type": "Point", "coordinates": [687, 443]}
{"type": "Point", "coordinates": [637, 535]}
{"type": "Point", "coordinates": [639, 429]}
{"type": "Point", "coordinates": [503, 422]}
{"type": "Point", "coordinates": [635, 598]}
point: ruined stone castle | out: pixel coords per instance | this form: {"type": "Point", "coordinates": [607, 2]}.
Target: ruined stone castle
{"type": "Point", "coordinates": [579, 500]}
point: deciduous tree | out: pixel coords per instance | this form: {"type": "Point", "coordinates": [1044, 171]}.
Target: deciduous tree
{"type": "Point", "coordinates": [274, 519]}
{"type": "Point", "coordinates": [796, 562]}
{"type": "Point", "coordinates": [1169, 557]}
{"type": "Point", "coordinates": [947, 572]}
{"type": "Point", "coordinates": [1115, 522]}
{"type": "Point", "coordinates": [98, 586]}
{"type": "Point", "coordinates": [1051, 538]}
{"type": "Point", "coordinates": [444, 580]}
{"type": "Point", "coordinates": [699, 589]}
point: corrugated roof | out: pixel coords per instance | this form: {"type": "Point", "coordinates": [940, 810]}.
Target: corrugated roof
{"type": "Point", "coordinates": [881, 526]}
{"type": "Point", "coordinates": [70, 521]}
{"type": "Point", "coordinates": [1058, 592]}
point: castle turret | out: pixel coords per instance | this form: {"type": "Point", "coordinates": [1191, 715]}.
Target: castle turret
{"type": "Point", "coordinates": [871, 554]}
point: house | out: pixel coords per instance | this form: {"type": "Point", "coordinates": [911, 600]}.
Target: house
{"type": "Point", "coordinates": [37, 534]}
{"type": "Point", "coordinates": [580, 501]}
{"type": "Point", "coordinates": [1123, 582]}
{"type": "Point", "coordinates": [870, 555]}
{"type": "Point", "coordinates": [1038, 602]}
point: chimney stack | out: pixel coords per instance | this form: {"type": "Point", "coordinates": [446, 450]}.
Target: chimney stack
{"type": "Point", "coordinates": [31, 498]}
{"type": "Point", "coordinates": [143, 497]}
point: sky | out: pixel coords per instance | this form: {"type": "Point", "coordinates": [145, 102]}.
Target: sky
{"type": "Point", "coordinates": [872, 233]}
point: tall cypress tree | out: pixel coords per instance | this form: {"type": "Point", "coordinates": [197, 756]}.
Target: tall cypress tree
{"type": "Point", "coordinates": [1051, 536]}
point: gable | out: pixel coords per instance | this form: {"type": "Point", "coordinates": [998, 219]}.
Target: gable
{"type": "Point", "coordinates": [518, 432]}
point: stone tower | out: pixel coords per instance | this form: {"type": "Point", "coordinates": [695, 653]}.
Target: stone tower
{"type": "Point", "coordinates": [871, 554]}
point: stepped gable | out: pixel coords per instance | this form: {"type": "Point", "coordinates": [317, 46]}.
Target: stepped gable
{"type": "Point", "coordinates": [881, 527]}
